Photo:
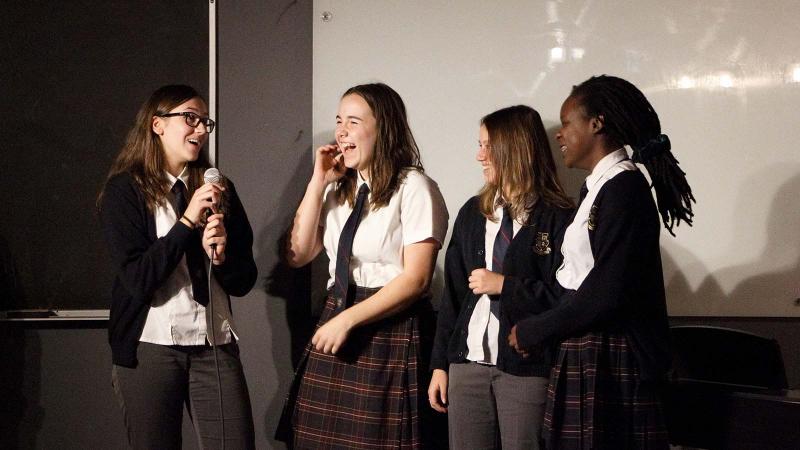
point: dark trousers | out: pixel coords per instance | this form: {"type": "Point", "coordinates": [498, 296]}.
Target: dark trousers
{"type": "Point", "coordinates": [153, 394]}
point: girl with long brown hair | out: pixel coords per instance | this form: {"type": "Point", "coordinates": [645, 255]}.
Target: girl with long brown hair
{"type": "Point", "coordinates": [381, 221]}
{"type": "Point", "coordinates": [500, 267]}
{"type": "Point", "coordinates": [177, 258]}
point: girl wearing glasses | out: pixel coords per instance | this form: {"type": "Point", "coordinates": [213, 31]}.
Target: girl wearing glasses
{"type": "Point", "coordinates": [613, 318]}
{"type": "Point", "coordinates": [501, 258]}
{"type": "Point", "coordinates": [165, 235]}
{"type": "Point", "coordinates": [381, 222]}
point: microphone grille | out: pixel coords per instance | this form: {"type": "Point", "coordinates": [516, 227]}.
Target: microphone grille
{"type": "Point", "coordinates": [212, 175]}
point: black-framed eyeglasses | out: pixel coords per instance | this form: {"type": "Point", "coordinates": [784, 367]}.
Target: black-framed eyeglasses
{"type": "Point", "coordinates": [193, 120]}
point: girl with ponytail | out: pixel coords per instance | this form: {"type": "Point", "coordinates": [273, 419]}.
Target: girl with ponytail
{"type": "Point", "coordinates": [612, 318]}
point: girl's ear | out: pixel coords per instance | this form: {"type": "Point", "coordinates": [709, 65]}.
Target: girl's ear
{"type": "Point", "coordinates": [157, 125]}
{"type": "Point", "coordinates": [596, 124]}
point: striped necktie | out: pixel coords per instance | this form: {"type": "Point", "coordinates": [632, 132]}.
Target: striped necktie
{"type": "Point", "coordinates": [345, 251]}
{"type": "Point", "coordinates": [502, 241]}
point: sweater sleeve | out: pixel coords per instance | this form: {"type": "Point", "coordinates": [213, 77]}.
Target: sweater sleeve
{"type": "Point", "coordinates": [455, 286]}
{"type": "Point", "coordinates": [622, 218]}
{"type": "Point", "coordinates": [238, 273]}
{"type": "Point", "coordinates": [141, 264]}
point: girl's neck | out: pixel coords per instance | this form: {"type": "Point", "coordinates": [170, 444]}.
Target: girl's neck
{"type": "Point", "coordinates": [175, 169]}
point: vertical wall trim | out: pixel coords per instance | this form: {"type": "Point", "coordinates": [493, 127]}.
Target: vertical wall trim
{"type": "Point", "coordinates": [212, 78]}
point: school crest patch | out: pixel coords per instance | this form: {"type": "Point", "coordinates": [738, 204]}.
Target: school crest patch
{"type": "Point", "coordinates": [542, 243]}
{"type": "Point", "coordinates": [593, 218]}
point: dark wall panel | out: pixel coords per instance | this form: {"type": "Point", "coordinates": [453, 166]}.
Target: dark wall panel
{"type": "Point", "coordinates": [73, 75]}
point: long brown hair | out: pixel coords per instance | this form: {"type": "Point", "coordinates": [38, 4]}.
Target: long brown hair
{"type": "Point", "coordinates": [142, 155]}
{"type": "Point", "coordinates": [522, 162]}
{"type": "Point", "coordinates": [395, 150]}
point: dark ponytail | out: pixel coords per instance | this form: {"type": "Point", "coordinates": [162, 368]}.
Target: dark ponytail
{"type": "Point", "coordinates": [629, 119]}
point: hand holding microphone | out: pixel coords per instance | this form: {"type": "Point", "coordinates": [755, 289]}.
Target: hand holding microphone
{"type": "Point", "coordinates": [205, 198]}
{"type": "Point", "coordinates": [205, 207]}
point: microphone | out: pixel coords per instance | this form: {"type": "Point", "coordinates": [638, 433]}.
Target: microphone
{"type": "Point", "coordinates": [212, 175]}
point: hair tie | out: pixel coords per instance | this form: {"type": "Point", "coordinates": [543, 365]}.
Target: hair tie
{"type": "Point", "coordinates": [655, 146]}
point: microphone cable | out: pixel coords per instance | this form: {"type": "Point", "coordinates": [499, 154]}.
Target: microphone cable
{"type": "Point", "coordinates": [214, 344]}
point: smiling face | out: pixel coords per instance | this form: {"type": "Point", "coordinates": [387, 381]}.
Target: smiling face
{"type": "Point", "coordinates": [181, 143]}
{"type": "Point", "coordinates": [484, 156]}
{"type": "Point", "coordinates": [356, 133]}
{"type": "Point", "coordinates": [582, 145]}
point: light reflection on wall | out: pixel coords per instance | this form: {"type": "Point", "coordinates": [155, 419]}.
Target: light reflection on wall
{"type": "Point", "coordinates": [793, 74]}
{"type": "Point", "coordinates": [724, 80]}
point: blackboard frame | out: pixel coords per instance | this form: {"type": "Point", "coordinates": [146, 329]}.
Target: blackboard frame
{"type": "Point", "coordinates": [95, 37]}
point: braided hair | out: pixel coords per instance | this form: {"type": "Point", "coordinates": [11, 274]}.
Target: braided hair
{"type": "Point", "coordinates": [629, 119]}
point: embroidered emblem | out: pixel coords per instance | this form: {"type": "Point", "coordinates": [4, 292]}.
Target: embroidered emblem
{"type": "Point", "coordinates": [542, 244]}
{"type": "Point", "coordinates": [593, 218]}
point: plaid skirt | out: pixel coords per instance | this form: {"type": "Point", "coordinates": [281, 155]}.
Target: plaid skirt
{"type": "Point", "coordinates": [597, 401]}
{"type": "Point", "coordinates": [364, 397]}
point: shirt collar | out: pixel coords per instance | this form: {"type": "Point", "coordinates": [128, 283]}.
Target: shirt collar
{"type": "Point", "coordinates": [183, 176]}
{"type": "Point", "coordinates": [360, 181]}
{"type": "Point", "coordinates": [603, 166]}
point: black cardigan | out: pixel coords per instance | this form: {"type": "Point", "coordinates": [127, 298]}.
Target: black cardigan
{"type": "Point", "coordinates": [624, 292]}
{"type": "Point", "coordinates": [529, 286]}
{"type": "Point", "coordinates": [143, 263]}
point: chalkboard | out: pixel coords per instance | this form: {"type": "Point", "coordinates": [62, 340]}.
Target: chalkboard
{"type": "Point", "coordinates": [724, 76]}
{"type": "Point", "coordinates": [73, 76]}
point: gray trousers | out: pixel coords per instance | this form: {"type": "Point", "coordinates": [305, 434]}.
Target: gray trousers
{"type": "Point", "coordinates": [488, 407]}
{"type": "Point", "coordinates": [153, 394]}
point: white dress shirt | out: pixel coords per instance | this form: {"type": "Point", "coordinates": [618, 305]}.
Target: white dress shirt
{"type": "Point", "coordinates": [174, 317]}
{"type": "Point", "coordinates": [484, 328]}
{"type": "Point", "coordinates": [415, 212]}
{"type": "Point", "coordinates": [576, 249]}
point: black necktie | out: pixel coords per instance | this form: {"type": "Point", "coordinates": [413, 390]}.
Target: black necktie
{"type": "Point", "coordinates": [194, 252]}
{"type": "Point", "coordinates": [584, 191]}
{"type": "Point", "coordinates": [345, 251]}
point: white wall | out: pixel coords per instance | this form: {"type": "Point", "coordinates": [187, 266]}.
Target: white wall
{"type": "Point", "coordinates": [723, 75]}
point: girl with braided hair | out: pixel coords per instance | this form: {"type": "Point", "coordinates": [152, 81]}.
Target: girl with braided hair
{"type": "Point", "coordinates": [612, 317]}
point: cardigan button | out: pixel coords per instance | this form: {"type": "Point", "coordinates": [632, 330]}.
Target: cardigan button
{"type": "Point", "coordinates": [480, 252]}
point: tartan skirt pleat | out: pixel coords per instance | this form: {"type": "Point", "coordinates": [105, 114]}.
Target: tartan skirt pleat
{"type": "Point", "coordinates": [365, 396]}
{"type": "Point", "coordinates": [596, 399]}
